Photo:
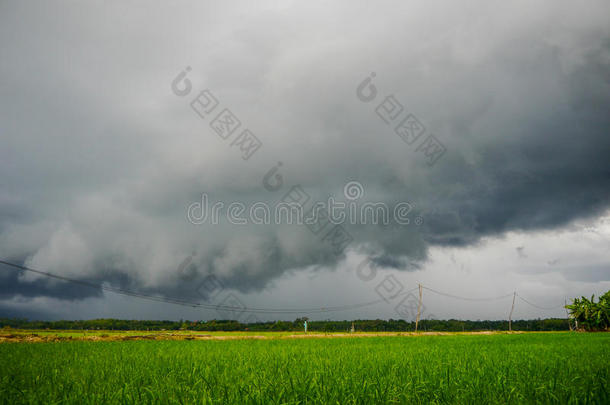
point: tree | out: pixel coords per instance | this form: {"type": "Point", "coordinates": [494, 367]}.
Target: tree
{"type": "Point", "coordinates": [590, 315]}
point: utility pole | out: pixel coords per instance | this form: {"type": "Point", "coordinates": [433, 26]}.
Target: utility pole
{"type": "Point", "coordinates": [565, 302]}
{"type": "Point", "coordinates": [418, 307]}
{"type": "Point", "coordinates": [510, 317]}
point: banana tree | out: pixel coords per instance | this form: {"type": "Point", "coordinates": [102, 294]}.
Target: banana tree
{"type": "Point", "coordinates": [590, 315]}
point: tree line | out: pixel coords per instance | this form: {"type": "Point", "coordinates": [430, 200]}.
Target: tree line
{"type": "Point", "coordinates": [376, 325]}
{"type": "Point", "coordinates": [584, 314]}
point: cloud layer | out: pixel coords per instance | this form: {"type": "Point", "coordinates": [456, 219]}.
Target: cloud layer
{"type": "Point", "coordinates": [100, 159]}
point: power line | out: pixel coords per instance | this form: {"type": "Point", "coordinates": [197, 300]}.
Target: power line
{"type": "Point", "coordinates": [491, 298]}
{"type": "Point", "coordinates": [538, 306]}
{"type": "Point", "coordinates": [467, 298]}
{"type": "Point", "coordinates": [177, 301]}
{"type": "Point", "coordinates": [193, 304]}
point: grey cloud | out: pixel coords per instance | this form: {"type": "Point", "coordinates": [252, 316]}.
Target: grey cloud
{"type": "Point", "coordinates": [588, 273]}
{"type": "Point", "coordinates": [100, 159]}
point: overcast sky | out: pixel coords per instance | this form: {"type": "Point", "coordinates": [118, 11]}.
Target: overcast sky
{"type": "Point", "coordinates": [102, 154]}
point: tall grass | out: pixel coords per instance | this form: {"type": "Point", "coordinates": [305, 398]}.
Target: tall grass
{"type": "Point", "coordinates": [545, 368]}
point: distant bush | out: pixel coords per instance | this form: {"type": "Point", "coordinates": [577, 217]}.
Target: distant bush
{"type": "Point", "coordinates": [590, 315]}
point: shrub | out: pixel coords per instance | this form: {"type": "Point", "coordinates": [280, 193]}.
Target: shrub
{"type": "Point", "coordinates": [590, 315]}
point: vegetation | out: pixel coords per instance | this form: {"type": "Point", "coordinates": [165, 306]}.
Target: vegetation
{"type": "Point", "coordinates": [378, 325]}
{"type": "Point", "coordinates": [590, 315]}
{"type": "Point", "coordinates": [505, 368]}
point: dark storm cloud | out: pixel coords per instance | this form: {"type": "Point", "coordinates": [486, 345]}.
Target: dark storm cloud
{"type": "Point", "coordinates": [394, 262]}
{"type": "Point", "coordinates": [100, 160]}
{"type": "Point", "coordinates": [8, 312]}
{"type": "Point", "coordinates": [11, 286]}
{"type": "Point", "coordinates": [12, 283]}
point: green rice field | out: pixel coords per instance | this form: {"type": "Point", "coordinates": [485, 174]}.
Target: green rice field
{"type": "Point", "coordinates": [459, 368]}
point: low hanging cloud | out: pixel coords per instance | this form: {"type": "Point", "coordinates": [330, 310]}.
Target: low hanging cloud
{"type": "Point", "coordinates": [100, 160]}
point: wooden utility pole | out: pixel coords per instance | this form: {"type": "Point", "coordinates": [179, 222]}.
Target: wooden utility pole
{"type": "Point", "coordinates": [510, 317]}
{"type": "Point", "coordinates": [565, 302]}
{"type": "Point", "coordinates": [418, 308]}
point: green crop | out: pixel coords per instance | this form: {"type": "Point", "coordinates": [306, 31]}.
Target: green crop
{"type": "Point", "coordinates": [525, 368]}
